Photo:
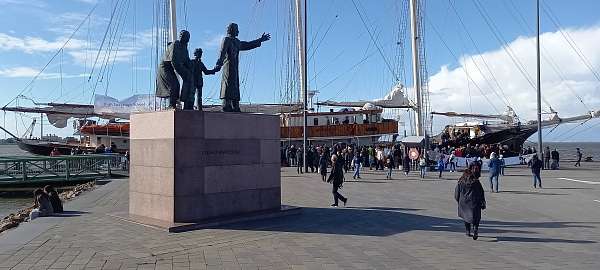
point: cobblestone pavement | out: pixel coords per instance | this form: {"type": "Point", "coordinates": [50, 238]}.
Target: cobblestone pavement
{"type": "Point", "coordinates": [404, 223]}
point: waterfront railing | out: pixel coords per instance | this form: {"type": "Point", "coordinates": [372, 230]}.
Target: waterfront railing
{"type": "Point", "coordinates": [18, 169]}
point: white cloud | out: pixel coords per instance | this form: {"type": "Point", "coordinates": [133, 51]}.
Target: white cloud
{"type": "Point", "coordinates": [28, 72]}
{"type": "Point", "coordinates": [212, 42]}
{"type": "Point", "coordinates": [87, 1]}
{"type": "Point", "coordinates": [32, 45]}
{"type": "Point", "coordinates": [450, 88]}
{"type": "Point", "coordinates": [33, 3]}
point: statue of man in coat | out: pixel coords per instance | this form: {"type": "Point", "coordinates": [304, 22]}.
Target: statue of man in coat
{"type": "Point", "coordinates": [229, 62]}
{"type": "Point", "coordinates": [175, 60]}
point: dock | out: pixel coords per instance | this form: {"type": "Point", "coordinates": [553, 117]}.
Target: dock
{"type": "Point", "coordinates": [403, 223]}
{"type": "Point", "coordinates": [24, 172]}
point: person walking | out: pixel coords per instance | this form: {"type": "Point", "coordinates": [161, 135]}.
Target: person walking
{"type": "Point", "coordinates": [495, 166]}
{"type": "Point", "coordinates": [357, 164]}
{"type": "Point", "coordinates": [536, 167]}
{"type": "Point", "coordinates": [406, 164]}
{"type": "Point", "coordinates": [579, 156]}
{"type": "Point", "coordinates": [336, 178]}
{"type": "Point", "coordinates": [423, 165]}
{"type": "Point", "coordinates": [440, 165]}
{"type": "Point", "coordinates": [323, 166]}
{"type": "Point", "coordinates": [389, 164]}
{"type": "Point", "coordinates": [452, 161]}
{"type": "Point", "coordinates": [300, 162]}
{"type": "Point", "coordinates": [371, 157]}
{"type": "Point", "coordinates": [470, 197]}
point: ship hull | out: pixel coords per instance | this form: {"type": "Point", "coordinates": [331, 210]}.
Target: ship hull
{"type": "Point", "coordinates": [43, 148]}
{"type": "Point", "coordinates": [512, 137]}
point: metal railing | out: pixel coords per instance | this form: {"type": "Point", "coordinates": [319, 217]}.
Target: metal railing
{"type": "Point", "coordinates": [15, 169]}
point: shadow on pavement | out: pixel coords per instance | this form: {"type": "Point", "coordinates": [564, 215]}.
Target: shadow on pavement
{"type": "Point", "coordinates": [385, 221]}
{"type": "Point", "coordinates": [520, 192]}
{"type": "Point", "coordinates": [70, 214]}
{"type": "Point", "coordinates": [540, 240]}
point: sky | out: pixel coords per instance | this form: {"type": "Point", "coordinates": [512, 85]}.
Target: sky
{"type": "Point", "coordinates": [357, 50]}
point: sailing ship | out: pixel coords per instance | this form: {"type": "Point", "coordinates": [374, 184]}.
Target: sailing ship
{"type": "Point", "coordinates": [505, 129]}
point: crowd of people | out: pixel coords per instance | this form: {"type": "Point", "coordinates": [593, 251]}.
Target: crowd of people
{"type": "Point", "coordinates": [469, 192]}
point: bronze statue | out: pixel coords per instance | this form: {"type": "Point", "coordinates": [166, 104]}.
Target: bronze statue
{"type": "Point", "coordinates": [197, 69]}
{"type": "Point", "coordinates": [176, 59]}
{"type": "Point", "coordinates": [167, 85]}
{"type": "Point", "coordinates": [229, 60]}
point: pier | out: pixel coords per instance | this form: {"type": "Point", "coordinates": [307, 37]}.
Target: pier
{"type": "Point", "coordinates": [19, 171]}
{"type": "Point", "coordinates": [403, 223]}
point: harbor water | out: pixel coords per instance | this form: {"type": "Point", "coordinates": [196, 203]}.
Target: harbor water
{"type": "Point", "coordinates": [10, 204]}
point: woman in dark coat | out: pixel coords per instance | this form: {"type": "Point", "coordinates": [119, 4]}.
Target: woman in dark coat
{"type": "Point", "coordinates": [337, 179]}
{"type": "Point", "coordinates": [471, 200]}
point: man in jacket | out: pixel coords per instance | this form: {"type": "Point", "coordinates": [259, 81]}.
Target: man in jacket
{"type": "Point", "coordinates": [229, 60]}
{"type": "Point", "coordinates": [495, 167]}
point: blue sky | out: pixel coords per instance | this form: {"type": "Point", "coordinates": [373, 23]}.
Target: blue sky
{"type": "Point", "coordinates": [345, 64]}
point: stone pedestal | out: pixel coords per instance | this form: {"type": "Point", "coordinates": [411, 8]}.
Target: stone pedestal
{"type": "Point", "coordinates": [190, 166]}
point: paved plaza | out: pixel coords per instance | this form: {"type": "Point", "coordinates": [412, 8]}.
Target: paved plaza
{"type": "Point", "coordinates": [404, 223]}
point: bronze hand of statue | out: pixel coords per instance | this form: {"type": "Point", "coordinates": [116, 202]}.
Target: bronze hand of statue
{"type": "Point", "coordinates": [265, 37]}
{"type": "Point", "coordinates": [217, 68]}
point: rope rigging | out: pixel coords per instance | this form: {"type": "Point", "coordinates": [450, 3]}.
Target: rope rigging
{"type": "Point", "coordinates": [466, 73]}
{"type": "Point", "coordinates": [546, 55]}
{"type": "Point", "coordinates": [379, 49]}
{"type": "Point", "coordinates": [54, 56]}
{"type": "Point", "coordinates": [498, 35]}
{"type": "Point", "coordinates": [570, 40]}
{"type": "Point", "coordinates": [483, 60]}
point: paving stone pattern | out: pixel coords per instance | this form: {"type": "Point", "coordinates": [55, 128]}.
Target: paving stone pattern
{"type": "Point", "coordinates": [404, 223]}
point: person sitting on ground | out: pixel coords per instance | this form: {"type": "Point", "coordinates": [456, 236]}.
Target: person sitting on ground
{"type": "Point", "coordinates": [471, 200]}
{"type": "Point", "coordinates": [54, 199]}
{"type": "Point", "coordinates": [41, 205]}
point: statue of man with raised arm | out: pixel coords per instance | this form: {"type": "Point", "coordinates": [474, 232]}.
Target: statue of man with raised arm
{"type": "Point", "coordinates": [229, 63]}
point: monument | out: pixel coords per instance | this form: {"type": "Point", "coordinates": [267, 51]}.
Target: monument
{"type": "Point", "coordinates": [189, 168]}
{"type": "Point", "coordinates": [229, 63]}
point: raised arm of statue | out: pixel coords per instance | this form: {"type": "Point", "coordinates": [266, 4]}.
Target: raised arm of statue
{"type": "Point", "coordinates": [249, 45]}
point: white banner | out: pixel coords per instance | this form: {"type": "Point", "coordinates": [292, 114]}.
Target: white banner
{"type": "Point", "coordinates": [136, 103]}
{"type": "Point", "coordinates": [463, 163]}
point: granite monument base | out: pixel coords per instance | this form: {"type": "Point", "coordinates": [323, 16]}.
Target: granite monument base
{"type": "Point", "coordinates": [193, 166]}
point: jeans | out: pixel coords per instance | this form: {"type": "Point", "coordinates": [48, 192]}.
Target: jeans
{"type": "Point", "coordinates": [389, 173]}
{"type": "Point", "coordinates": [452, 166]}
{"type": "Point", "coordinates": [423, 169]}
{"type": "Point", "coordinates": [337, 196]}
{"type": "Point", "coordinates": [537, 180]}
{"type": "Point", "coordinates": [356, 171]}
{"type": "Point", "coordinates": [494, 181]}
